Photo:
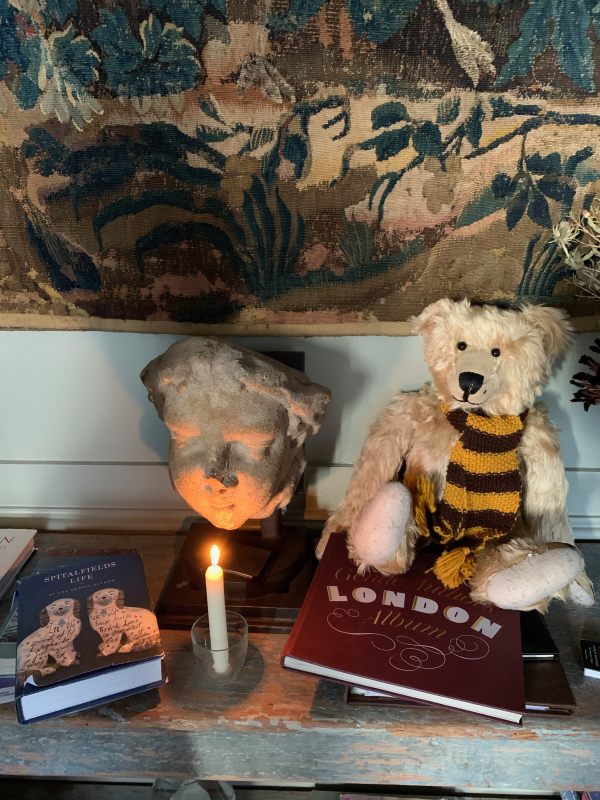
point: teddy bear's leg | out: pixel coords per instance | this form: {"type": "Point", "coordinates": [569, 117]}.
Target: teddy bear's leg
{"type": "Point", "coordinates": [522, 575]}
{"type": "Point", "coordinates": [385, 532]}
{"type": "Point", "coordinates": [581, 590]}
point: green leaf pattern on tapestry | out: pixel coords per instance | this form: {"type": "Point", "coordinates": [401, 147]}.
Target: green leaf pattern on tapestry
{"type": "Point", "coordinates": [379, 20]}
{"type": "Point", "coordinates": [571, 41]}
{"type": "Point", "coordinates": [160, 62]}
{"type": "Point", "coordinates": [10, 47]}
{"type": "Point", "coordinates": [448, 110]}
{"type": "Point", "coordinates": [155, 48]}
{"type": "Point", "coordinates": [59, 10]}
{"type": "Point", "coordinates": [539, 179]}
{"type": "Point", "coordinates": [562, 24]}
{"type": "Point", "coordinates": [388, 143]}
{"type": "Point", "coordinates": [388, 114]}
{"type": "Point", "coordinates": [187, 14]}
{"type": "Point", "coordinates": [196, 169]}
{"type": "Point", "coordinates": [427, 139]}
{"type": "Point", "coordinates": [296, 16]}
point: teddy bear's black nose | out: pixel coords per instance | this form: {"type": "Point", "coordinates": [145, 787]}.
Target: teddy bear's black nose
{"type": "Point", "coordinates": [470, 383]}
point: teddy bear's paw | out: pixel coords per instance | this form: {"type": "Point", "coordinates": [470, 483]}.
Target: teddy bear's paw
{"type": "Point", "coordinates": [580, 591]}
{"type": "Point", "coordinates": [378, 539]}
{"type": "Point", "coordinates": [534, 581]}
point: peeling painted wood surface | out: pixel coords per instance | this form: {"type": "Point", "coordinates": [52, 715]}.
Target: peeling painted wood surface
{"type": "Point", "coordinates": [280, 728]}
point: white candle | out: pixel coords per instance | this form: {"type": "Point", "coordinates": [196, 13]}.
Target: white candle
{"type": "Point", "coordinates": [217, 620]}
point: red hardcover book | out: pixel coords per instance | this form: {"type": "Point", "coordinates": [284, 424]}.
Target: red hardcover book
{"type": "Point", "coordinates": [409, 636]}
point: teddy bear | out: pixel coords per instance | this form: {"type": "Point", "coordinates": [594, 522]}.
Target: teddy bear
{"type": "Point", "coordinates": [471, 463]}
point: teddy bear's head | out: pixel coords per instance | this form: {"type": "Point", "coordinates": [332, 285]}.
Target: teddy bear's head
{"type": "Point", "coordinates": [485, 357]}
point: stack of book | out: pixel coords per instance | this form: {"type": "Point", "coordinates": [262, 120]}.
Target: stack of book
{"type": "Point", "coordinates": [85, 635]}
{"type": "Point", "coordinates": [15, 548]}
{"type": "Point", "coordinates": [406, 638]}
{"type": "Point", "coordinates": [8, 654]}
{"type": "Point", "coordinates": [547, 689]}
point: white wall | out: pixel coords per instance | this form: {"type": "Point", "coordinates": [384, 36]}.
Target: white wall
{"type": "Point", "coordinates": [81, 446]}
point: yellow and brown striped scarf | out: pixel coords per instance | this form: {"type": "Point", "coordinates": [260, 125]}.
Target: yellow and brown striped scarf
{"type": "Point", "coordinates": [482, 496]}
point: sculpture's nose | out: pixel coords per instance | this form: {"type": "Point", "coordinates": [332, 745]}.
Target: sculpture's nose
{"type": "Point", "coordinates": [221, 475]}
{"type": "Point", "coordinates": [220, 470]}
{"type": "Point", "coordinates": [470, 383]}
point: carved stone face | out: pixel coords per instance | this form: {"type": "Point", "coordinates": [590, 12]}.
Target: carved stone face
{"type": "Point", "coordinates": [238, 422]}
{"type": "Point", "coordinates": [234, 468]}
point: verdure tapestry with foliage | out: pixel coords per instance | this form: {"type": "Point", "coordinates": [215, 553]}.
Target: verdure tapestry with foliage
{"type": "Point", "coordinates": [290, 161]}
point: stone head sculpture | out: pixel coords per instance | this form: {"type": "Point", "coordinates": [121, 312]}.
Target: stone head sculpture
{"type": "Point", "coordinates": [238, 421]}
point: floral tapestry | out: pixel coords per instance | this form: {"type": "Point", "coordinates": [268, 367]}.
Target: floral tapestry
{"type": "Point", "coordinates": [317, 164]}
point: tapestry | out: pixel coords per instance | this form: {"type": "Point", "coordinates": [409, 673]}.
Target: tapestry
{"type": "Point", "coordinates": [290, 165]}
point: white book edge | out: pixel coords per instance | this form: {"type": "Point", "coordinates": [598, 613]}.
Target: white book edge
{"type": "Point", "coordinates": [7, 666]}
{"type": "Point", "coordinates": [12, 554]}
{"type": "Point", "coordinates": [417, 694]}
{"type": "Point", "coordinates": [358, 690]}
{"type": "Point", "coordinates": [82, 691]}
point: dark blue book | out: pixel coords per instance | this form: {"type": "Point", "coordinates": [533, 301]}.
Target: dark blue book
{"type": "Point", "coordinates": [86, 636]}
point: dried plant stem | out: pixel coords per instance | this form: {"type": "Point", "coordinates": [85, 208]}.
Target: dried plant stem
{"type": "Point", "coordinates": [579, 241]}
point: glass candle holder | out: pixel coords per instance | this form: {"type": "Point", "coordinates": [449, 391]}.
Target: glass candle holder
{"type": "Point", "coordinates": [218, 667]}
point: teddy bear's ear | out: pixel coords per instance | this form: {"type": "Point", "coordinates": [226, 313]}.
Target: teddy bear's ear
{"type": "Point", "coordinates": [434, 313]}
{"type": "Point", "coordinates": [553, 323]}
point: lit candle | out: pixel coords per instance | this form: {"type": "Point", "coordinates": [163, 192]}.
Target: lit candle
{"type": "Point", "coordinates": [217, 620]}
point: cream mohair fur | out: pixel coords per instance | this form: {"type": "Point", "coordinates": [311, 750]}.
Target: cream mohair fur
{"type": "Point", "coordinates": [507, 360]}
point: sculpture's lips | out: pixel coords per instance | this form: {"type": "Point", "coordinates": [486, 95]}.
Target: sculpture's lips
{"type": "Point", "coordinates": [220, 502]}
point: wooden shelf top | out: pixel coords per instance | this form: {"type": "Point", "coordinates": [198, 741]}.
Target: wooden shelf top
{"type": "Point", "coordinates": [276, 727]}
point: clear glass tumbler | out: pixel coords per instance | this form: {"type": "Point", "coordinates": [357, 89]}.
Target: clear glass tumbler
{"type": "Point", "coordinates": [218, 667]}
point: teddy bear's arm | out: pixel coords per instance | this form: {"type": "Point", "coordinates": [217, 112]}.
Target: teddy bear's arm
{"type": "Point", "coordinates": [545, 483]}
{"type": "Point", "coordinates": [381, 457]}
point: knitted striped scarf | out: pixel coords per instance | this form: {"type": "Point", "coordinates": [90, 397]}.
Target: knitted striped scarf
{"type": "Point", "coordinates": [482, 496]}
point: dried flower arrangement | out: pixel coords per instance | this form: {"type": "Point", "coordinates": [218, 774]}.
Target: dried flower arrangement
{"type": "Point", "coordinates": [588, 392]}
{"type": "Point", "coordinates": [579, 239]}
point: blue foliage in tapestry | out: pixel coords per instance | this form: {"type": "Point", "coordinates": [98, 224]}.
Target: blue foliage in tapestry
{"type": "Point", "coordinates": [563, 25]}
{"type": "Point", "coordinates": [159, 61]}
{"type": "Point", "coordinates": [216, 157]}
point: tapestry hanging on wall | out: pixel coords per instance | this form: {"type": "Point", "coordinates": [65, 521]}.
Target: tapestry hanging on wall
{"type": "Point", "coordinates": [325, 165]}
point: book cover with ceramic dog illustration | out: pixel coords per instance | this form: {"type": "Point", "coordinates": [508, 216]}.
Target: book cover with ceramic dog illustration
{"type": "Point", "coordinates": [86, 635]}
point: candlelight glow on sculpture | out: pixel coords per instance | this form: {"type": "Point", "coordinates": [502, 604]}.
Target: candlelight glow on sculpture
{"type": "Point", "coordinates": [238, 422]}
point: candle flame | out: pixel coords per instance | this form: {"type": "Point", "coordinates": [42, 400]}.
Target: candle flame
{"type": "Point", "coordinates": [214, 555]}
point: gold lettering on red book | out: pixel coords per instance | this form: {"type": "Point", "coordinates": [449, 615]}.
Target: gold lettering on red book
{"type": "Point", "coordinates": [486, 626]}
{"type": "Point", "coordinates": [420, 604]}
{"type": "Point", "coordinates": [362, 594]}
{"type": "Point", "coordinates": [393, 598]}
{"type": "Point", "coordinates": [334, 595]}
{"type": "Point", "coordinates": [424, 605]}
{"type": "Point", "coordinates": [456, 614]}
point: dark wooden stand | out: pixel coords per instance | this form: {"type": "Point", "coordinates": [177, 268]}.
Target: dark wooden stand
{"type": "Point", "coordinates": [267, 571]}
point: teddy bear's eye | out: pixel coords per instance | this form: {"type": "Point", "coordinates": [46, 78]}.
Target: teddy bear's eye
{"type": "Point", "coordinates": [496, 352]}
{"type": "Point", "coordinates": [461, 346]}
